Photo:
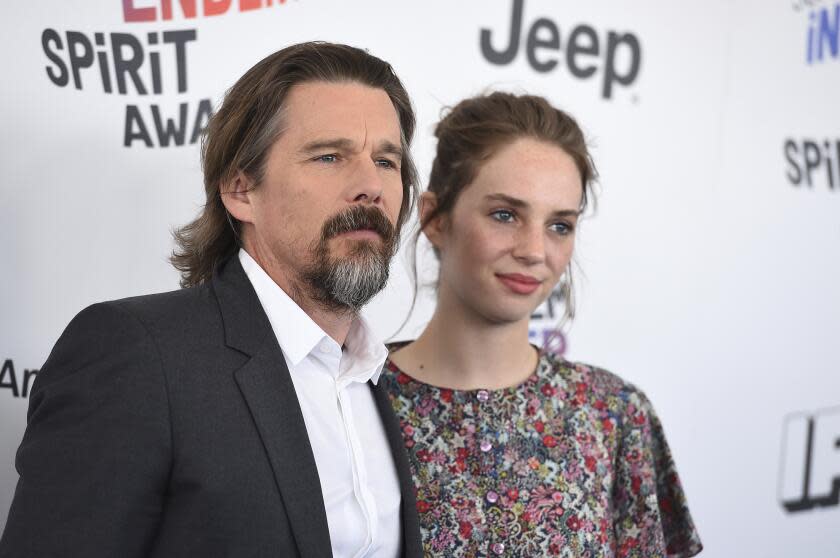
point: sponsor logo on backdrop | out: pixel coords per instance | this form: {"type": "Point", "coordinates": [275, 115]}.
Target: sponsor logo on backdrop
{"type": "Point", "coordinates": [544, 330]}
{"type": "Point", "coordinates": [16, 382]}
{"type": "Point", "coordinates": [813, 162]}
{"type": "Point", "coordinates": [142, 66]}
{"type": "Point", "coordinates": [822, 38]}
{"type": "Point", "coordinates": [612, 58]}
{"type": "Point", "coordinates": [809, 475]}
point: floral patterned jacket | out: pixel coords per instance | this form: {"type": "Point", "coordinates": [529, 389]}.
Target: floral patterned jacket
{"type": "Point", "coordinates": [572, 462]}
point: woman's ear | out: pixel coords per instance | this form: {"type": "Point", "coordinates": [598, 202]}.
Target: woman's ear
{"type": "Point", "coordinates": [236, 196]}
{"type": "Point", "coordinates": [433, 226]}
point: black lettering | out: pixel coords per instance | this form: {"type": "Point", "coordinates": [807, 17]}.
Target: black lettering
{"type": "Point", "coordinates": [614, 40]}
{"type": "Point", "coordinates": [202, 118]}
{"type": "Point", "coordinates": [132, 118]}
{"type": "Point", "coordinates": [102, 56]}
{"type": "Point", "coordinates": [123, 66]}
{"type": "Point", "coordinates": [554, 297]}
{"type": "Point", "coordinates": [837, 145]}
{"type": "Point", "coordinates": [821, 429]}
{"type": "Point", "coordinates": [154, 61]}
{"type": "Point", "coordinates": [61, 77]}
{"type": "Point", "coordinates": [829, 165]}
{"type": "Point", "coordinates": [575, 46]}
{"type": "Point", "coordinates": [813, 158]}
{"type": "Point", "coordinates": [79, 60]}
{"type": "Point", "coordinates": [180, 39]}
{"type": "Point", "coordinates": [169, 131]}
{"type": "Point", "coordinates": [534, 42]}
{"type": "Point", "coordinates": [9, 368]}
{"type": "Point", "coordinates": [27, 381]}
{"type": "Point", "coordinates": [833, 497]}
{"type": "Point", "coordinates": [505, 56]}
{"type": "Point", "coordinates": [805, 503]}
{"type": "Point", "coordinates": [791, 154]}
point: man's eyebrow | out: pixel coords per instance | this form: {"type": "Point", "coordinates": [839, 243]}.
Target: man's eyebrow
{"type": "Point", "coordinates": [392, 148]}
{"type": "Point", "coordinates": [346, 144]}
{"type": "Point", "coordinates": [330, 143]}
{"type": "Point", "coordinates": [520, 204]}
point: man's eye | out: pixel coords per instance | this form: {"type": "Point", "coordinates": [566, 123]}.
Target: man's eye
{"type": "Point", "coordinates": [386, 163]}
{"type": "Point", "coordinates": [328, 158]}
{"type": "Point", "coordinates": [503, 215]}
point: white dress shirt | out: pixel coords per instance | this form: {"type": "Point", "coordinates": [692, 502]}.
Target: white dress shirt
{"type": "Point", "coordinates": [358, 478]}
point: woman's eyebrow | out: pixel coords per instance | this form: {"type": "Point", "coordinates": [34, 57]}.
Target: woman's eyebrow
{"type": "Point", "coordinates": [509, 200]}
{"type": "Point", "coordinates": [522, 204]}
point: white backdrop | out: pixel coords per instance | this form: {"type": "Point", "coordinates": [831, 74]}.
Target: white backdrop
{"type": "Point", "coordinates": [711, 271]}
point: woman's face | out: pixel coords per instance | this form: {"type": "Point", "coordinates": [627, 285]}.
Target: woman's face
{"type": "Point", "coordinates": [511, 233]}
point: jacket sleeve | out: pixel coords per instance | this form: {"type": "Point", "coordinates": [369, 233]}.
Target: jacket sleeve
{"type": "Point", "coordinates": [95, 457]}
{"type": "Point", "coordinates": [652, 513]}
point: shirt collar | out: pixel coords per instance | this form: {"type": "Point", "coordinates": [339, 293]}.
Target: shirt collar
{"type": "Point", "coordinates": [298, 335]}
{"type": "Point", "coordinates": [367, 351]}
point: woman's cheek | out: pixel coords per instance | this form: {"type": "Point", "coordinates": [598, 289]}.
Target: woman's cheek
{"type": "Point", "coordinates": [562, 256]}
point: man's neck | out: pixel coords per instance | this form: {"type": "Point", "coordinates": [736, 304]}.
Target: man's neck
{"type": "Point", "coordinates": [333, 323]}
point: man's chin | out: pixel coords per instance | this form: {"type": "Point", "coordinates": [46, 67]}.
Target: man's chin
{"type": "Point", "coordinates": [349, 282]}
{"type": "Point", "coordinates": [358, 248]}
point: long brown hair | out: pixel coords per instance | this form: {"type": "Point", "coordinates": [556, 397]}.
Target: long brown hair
{"type": "Point", "coordinates": [241, 133]}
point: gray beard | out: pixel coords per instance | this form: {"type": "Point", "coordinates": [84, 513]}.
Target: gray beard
{"type": "Point", "coordinates": [346, 285]}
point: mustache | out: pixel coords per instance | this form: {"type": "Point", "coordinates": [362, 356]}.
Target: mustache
{"type": "Point", "coordinates": [358, 218]}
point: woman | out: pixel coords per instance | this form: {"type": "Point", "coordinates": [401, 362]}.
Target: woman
{"type": "Point", "coordinates": [515, 451]}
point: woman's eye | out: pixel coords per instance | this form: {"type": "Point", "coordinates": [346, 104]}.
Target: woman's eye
{"type": "Point", "coordinates": [561, 228]}
{"type": "Point", "coordinates": [502, 215]}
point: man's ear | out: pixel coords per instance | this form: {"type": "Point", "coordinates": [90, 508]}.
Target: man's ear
{"type": "Point", "coordinates": [436, 226]}
{"type": "Point", "coordinates": [236, 195]}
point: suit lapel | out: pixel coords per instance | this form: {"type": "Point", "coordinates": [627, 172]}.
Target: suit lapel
{"type": "Point", "coordinates": [412, 547]}
{"type": "Point", "coordinates": [268, 391]}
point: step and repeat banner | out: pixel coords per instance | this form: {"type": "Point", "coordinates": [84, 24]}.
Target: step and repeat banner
{"type": "Point", "coordinates": [710, 271]}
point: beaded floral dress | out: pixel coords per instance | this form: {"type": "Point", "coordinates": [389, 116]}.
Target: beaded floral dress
{"type": "Point", "coordinates": [573, 462]}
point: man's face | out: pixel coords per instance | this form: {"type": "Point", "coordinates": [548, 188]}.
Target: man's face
{"type": "Point", "coordinates": [322, 221]}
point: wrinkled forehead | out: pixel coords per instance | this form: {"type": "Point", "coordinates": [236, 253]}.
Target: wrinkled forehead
{"type": "Point", "coordinates": [321, 110]}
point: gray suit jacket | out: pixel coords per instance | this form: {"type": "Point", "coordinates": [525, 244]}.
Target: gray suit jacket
{"type": "Point", "coordinates": [167, 426]}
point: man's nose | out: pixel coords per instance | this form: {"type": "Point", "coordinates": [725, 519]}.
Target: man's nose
{"type": "Point", "coordinates": [366, 182]}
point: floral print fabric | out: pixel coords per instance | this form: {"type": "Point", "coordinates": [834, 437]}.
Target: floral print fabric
{"type": "Point", "coordinates": [573, 462]}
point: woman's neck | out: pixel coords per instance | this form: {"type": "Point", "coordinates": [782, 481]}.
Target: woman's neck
{"type": "Point", "coordinates": [461, 350]}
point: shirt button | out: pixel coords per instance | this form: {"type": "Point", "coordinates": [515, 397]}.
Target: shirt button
{"type": "Point", "coordinates": [483, 395]}
{"type": "Point", "coordinates": [492, 497]}
{"type": "Point", "coordinates": [485, 446]}
{"type": "Point", "coordinates": [498, 548]}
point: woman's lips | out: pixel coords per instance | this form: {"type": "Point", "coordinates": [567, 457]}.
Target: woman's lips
{"type": "Point", "coordinates": [519, 284]}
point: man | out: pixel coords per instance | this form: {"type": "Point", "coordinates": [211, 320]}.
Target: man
{"type": "Point", "coordinates": [238, 416]}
